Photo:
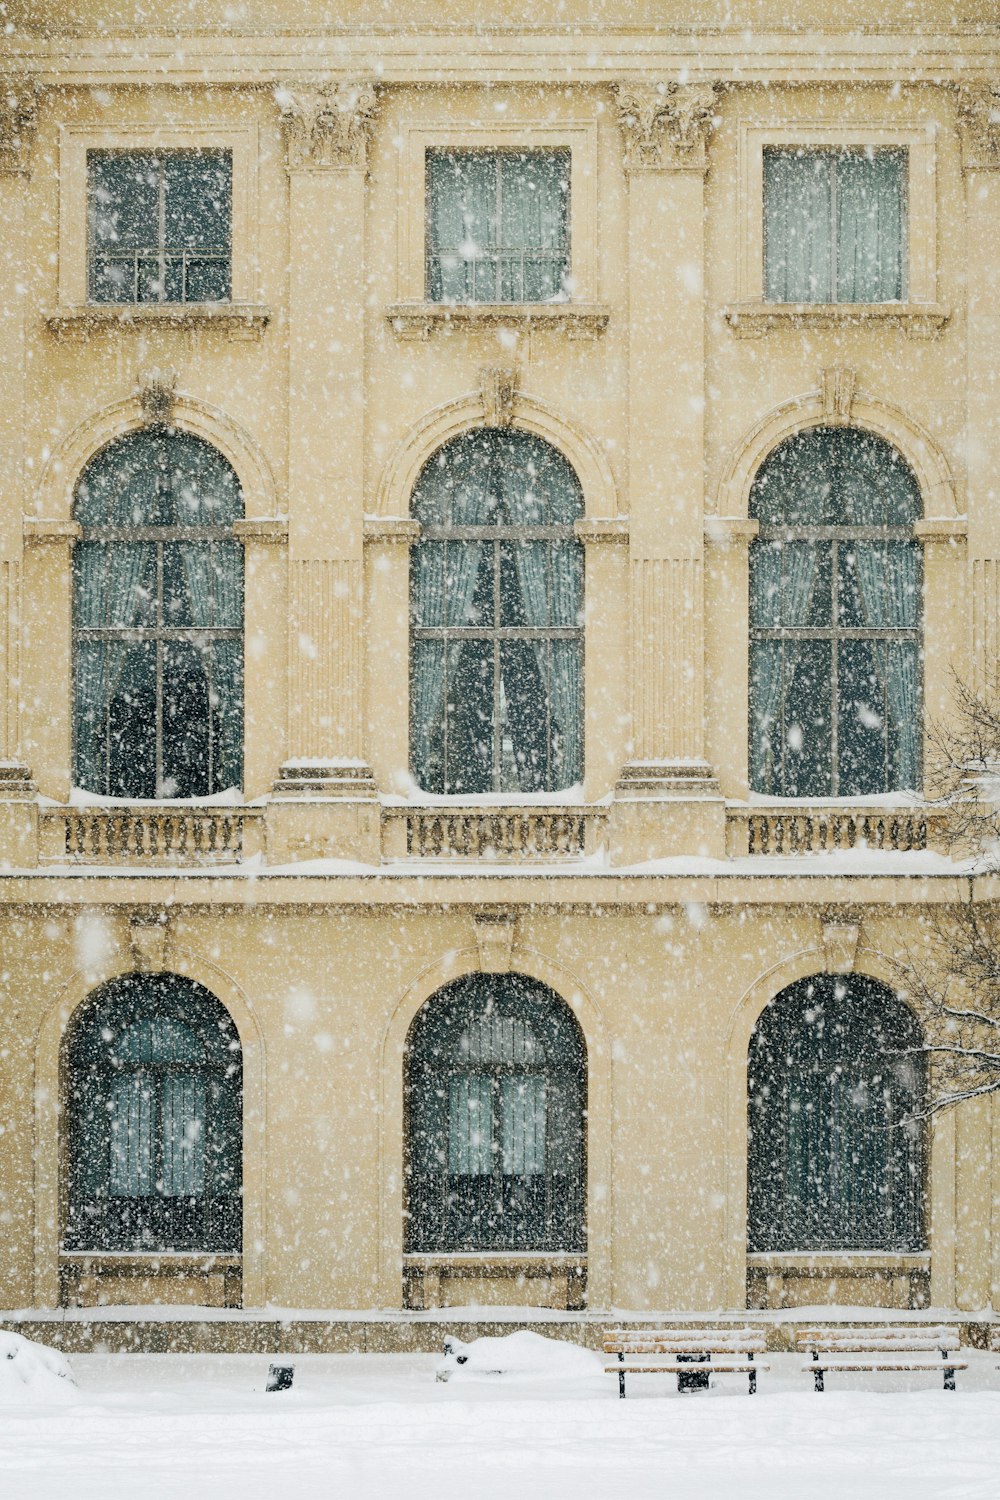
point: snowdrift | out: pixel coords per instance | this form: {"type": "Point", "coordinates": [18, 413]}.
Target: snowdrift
{"type": "Point", "coordinates": [519, 1356]}
{"type": "Point", "coordinates": [33, 1374]}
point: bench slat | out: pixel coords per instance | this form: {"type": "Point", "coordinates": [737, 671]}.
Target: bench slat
{"type": "Point", "coordinates": [729, 1367]}
{"type": "Point", "coordinates": [849, 1362]}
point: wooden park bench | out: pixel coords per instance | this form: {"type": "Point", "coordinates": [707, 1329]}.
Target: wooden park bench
{"type": "Point", "coordinates": [673, 1351]}
{"type": "Point", "coordinates": [899, 1350]}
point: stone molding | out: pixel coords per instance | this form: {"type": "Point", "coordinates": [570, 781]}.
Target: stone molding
{"type": "Point", "coordinates": [837, 387]}
{"type": "Point", "coordinates": [416, 321]}
{"type": "Point", "coordinates": [495, 933]}
{"type": "Point", "coordinates": [18, 117]}
{"type": "Point", "coordinates": [979, 129]}
{"type": "Point", "coordinates": [666, 126]}
{"type": "Point", "coordinates": [753, 320]}
{"type": "Point", "coordinates": [328, 127]}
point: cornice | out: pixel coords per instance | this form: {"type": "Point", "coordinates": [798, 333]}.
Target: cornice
{"type": "Point", "coordinates": [446, 57]}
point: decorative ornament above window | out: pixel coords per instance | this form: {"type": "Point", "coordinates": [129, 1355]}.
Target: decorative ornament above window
{"type": "Point", "coordinates": [979, 128]}
{"type": "Point", "coordinates": [18, 112]}
{"type": "Point", "coordinates": [498, 386]}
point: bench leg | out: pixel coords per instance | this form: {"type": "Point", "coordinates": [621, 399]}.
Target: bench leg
{"type": "Point", "coordinates": [949, 1380]}
{"type": "Point", "coordinates": [753, 1382]}
{"type": "Point", "coordinates": [621, 1385]}
{"type": "Point", "coordinates": [818, 1379]}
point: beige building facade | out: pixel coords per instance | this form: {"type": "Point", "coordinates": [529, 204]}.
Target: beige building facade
{"type": "Point", "coordinates": [672, 896]}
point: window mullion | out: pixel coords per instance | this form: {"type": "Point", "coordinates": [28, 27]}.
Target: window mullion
{"type": "Point", "coordinates": [835, 227]}
{"type": "Point", "coordinates": [497, 677]}
{"type": "Point", "coordinates": [161, 228]}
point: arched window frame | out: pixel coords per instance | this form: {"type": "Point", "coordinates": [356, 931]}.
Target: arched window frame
{"type": "Point", "coordinates": [852, 1039]}
{"type": "Point", "coordinates": [202, 556]}
{"type": "Point", "coordinates": [126, 1189]}
{"type": "Point", "coordinates": [772, 728]}
{"type": "Point", "coordinates": [482, 1205]}
{"type": "Point", "coordinates": [512, 544]}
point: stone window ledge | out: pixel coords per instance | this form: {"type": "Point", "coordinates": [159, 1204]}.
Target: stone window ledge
{"type": "Point", "coordinates": [753, 320]}
{"type": "Point", "coordinates": [241, 320]}
{"type": "Point", "coordinates": [821, 1262]}
{"type": "Point", "coordinates": [417, 320]}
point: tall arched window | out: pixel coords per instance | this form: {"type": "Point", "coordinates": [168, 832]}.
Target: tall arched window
{"type": "Point", "coordinates": [836, 1151]}
{"type": "Point", "coordinates": [496, 610]}
{"type": "Point", "coordinates": [495, 1101]}
{"type": "Point", "coordinates": [155, 1120]}
{"type": "Point", "coordinates": [158, 620]}
{"type": "Point", "coordinates": [835, 619]}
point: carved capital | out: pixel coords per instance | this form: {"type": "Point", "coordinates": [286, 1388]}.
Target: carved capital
{"type": "Point", "coordinates": [837, 387]}
{"type": "Point", "coordinates": [979, 129]}
{"type": "Point", "coordinates": [157, 395]}
{"type": "Point", "coordinates": [18, 114]}
{"type": "Point", "coordinates": [666, 126]}
{"type": "Point", "coordinates": [330, 126]}
{"type": "Point", "coordinates": [498, 388]}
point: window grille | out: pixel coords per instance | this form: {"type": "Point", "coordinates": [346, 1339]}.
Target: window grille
{"type": "Point", "coordinates": [495, 1102]}
{"type": "Point", "coordinates": [498, 226]}
{"type": "Point", "coordinates": [835, 225]}
{"type": "Point", "coordinates": [155, 1120]}
{"type": "Point", "coordinates": [836, 1153]}
{"type": "Point", "coordinates": [158, 620]}
{"type": "Point", "coordinates": [835, 619]}
{"type": "Point", "coordinates": [160, 226]}
{"type": "Point", "coordinates": [496, 601]}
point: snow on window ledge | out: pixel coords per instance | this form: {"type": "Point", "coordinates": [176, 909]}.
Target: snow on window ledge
{"type": "Point", "coordinates": [753, 320]}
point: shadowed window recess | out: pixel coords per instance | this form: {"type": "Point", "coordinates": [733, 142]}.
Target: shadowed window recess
{"type": "Point", "coordinates": [155, 1120]}
{"type": "Point", "coordinates": [836, 1154]}
{"type": "Point", "coordinates": [158, 620]}
{"type": "Point", "coordinates": [835, 225]}
{"type": "Point", "coordinates": [496, 611]}
{"type": "Point", "coordinates": [160, 226]}
{"type": "Point", "coordinates": [498, 226]}
{"type": "Point", "coordinates": [495, 1101]}
{"type": "Point", "coordinates": [836, 584]}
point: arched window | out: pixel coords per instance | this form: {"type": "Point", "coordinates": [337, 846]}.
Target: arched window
{"type": "Point", "coordinates": [835, 619]}
{"type": "Point", "coordinates": [155, 1120]}
{"type": "Point", "coordinates": [495, 1100]}
{"type": "Point", "coordinates": [158, 620]}
{"type": "Point", "coordinates": [496, 609]}
{"type": "Point", "coordinates": [836, 1151]}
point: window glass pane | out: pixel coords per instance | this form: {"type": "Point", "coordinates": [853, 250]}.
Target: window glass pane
{"type": "Point", "coordinates": [190, 723]}
{"type": "Point", "coordinates": [470, 1126]}
{"type": "Point", "coordinates": [469, 583]}
{"type": "Point", "coordinates": [524, 594]}
{"type": "Point", "coordinates": [130, 688]}
{"type": "Point", "coordinates": [133, 1136]}
{"type": "Point", "coordinates": [115, 584]}
{"type": "Point", "coordinates": [798, 226]}
{"type": "Point", "coordinates": [207, 280]}
{"type": "Point", "coordinates": [198, 200]}
{"type": "Point", "coordinates": [182, 1102]}
{"type": "Point", "coordinates": [864, 769]}
{"type": "Point", "coordinates": [522, 1125]}
{"type": "Point", "coordinates": [461, 226]}
{"type": "Point", "coordinates": [124, 192]}
{"type": "Point", "coordinates": [469, 719]}
{"type": "Point", "coordinates": [871, 237]}
{"type": "Point", "coordinates": [524, 718]}
{"type": "Point", "coordinates": [226, 702]}
{"type": "Point", "coordinates": [534, 191]}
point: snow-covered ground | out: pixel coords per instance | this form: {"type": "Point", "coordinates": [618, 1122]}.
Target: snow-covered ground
{"type": "Point", "coordinates": [377, 1427]}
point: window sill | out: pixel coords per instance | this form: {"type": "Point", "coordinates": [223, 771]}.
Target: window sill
{"type": "Point", "coordinates": [417, 320]}
{"type": "Point", "coordinates": [241, 320]}
{"type": "Point", "coordinates": [753, 320]}
{"type": "Point", "coordinates": [151, 1262]}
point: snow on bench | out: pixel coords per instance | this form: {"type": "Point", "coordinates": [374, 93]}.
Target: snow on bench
{"type": "Point", "coordinates": [673, 1351]}
{"type": "Point", "coordinates": [897, 1350]}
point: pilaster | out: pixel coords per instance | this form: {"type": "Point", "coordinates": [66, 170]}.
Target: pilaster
{"type": "Point", "coordinates": [327, 133]}
{"type": "Point", "coordinates": [18, 108]}
{"type": "Point", "coordinates": [667, 801]}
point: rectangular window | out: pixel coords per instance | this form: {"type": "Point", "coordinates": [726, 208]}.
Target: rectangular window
{"type": "Point", "coordinates": [835, 225]}
{"type": "Point", "coordinates": [498, 226]}
{"type": "Point", "coordinates": [160, 226]}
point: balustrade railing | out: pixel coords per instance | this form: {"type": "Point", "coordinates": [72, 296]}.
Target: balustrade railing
{"type": "Point", "coordinates": [518, 833]}
{"type": "Point", "coordinates": [827, 830]}
{"type": "Point", "coordinates": [153, 835]}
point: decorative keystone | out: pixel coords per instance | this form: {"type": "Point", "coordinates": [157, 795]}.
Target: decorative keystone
{"type": "Point", "coordinates": [147, 935]}
{"type": "Point", "coordinates": [330, 126]}
{"type": "Point", "coordinates": [157, 396]}
{"type": "Point", "coordinates": [837, 387]}
{"type": "Point", "coordinates": [840, 944]}
{"type": "Point", "coordinates": [667, 126]}
{"type": "Point", "coordinates": [498, 387]}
